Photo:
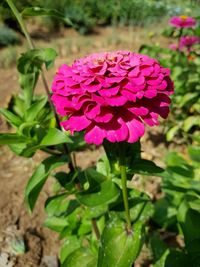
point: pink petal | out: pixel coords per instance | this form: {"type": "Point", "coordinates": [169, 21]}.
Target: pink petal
{"type": "Point", "coordinates": [92, 111]}
{"type": "Point", "coordinates": [139, 80]}
{"type": "Point", "coordinates": [116, 100]}
{"type": "Point", "coordinates": [62, 104]}
{"type": "Point", "coordinates": [91, 87]}
{"type": "Point", "coordinates": [136, 130]}
{"type": "Point", "coordinates": [129, 95]}
{"type": "Point", "coordinates": [94, 135]}
{"type": "Point", "coordinates": [109, 91]}
{"type": "Point", "coordinates": [116, 131]}
{"type": "Point", "coordinates": [134, 72]}
{"type": "Point", "coordinates": [150, 93]}
{"type": "Point", "coordinates": [76, 123]}
{"type": "Point", "coordinates": [139, 111]}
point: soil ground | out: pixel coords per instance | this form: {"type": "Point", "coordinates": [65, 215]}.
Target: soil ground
{"type": "Point", "coordinates": [15, 223]}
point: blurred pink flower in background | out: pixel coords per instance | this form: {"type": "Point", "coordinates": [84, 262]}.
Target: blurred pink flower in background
{"type": "Point", "coordinates": [182, 22]}
{"type": "Point", "coordinates": [188, 41]}
{"type": "Point", "coordinates": [173, 47]}
{"type": "Point", "coordinates": [112, 95]}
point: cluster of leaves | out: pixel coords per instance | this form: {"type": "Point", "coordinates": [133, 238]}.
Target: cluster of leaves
{"type": "Point", "coordinates": [87, 209]}
{"type": "Point", "coordinates": [184, 119]}
{"type": "Point", "coordinates": [178, 212]}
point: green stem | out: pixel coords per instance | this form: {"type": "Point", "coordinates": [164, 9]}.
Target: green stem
{"type": "Point", "coordinates": [21, 23]}
{"type": "Point", "coordinates": [124, 186]}
{"type": "Point", "coordinates": [32, 46]}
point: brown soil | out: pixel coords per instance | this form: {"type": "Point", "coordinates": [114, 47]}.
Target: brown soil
{"type": "Point", "coordinates": [16, 224]}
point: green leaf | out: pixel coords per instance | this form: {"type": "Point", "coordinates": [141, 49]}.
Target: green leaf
{"type": "Point", "coordinates": [187, 98]}
{"type": "Point", "coordinates": [190, 122]}
{"type": "Point", "coordinates": [194, 152]}
{"type": "Point", "coordinates": [172, 132]}
{"type": "Point", "coordinates": [189, 221]}
{"type": "Point", "coordinates": [32, 112]}
{"type": "Point", "coordinates": [146, 167]}
{"type": "Point", "coordinates": [39, 178]}
{"type": "Point", "coordinates": [56, 224]}
{"type": "Point", "coordinates": [118, 248]}
{"type": "Point", "coordinates": [11, 117]}
{"type": "Point", "coordinates": [55, 137]}
{"type": "Point", "coordinates": [80, 256]}
{"type": "Point", "coordinates": [57, 205]}
{"type": "Point", "coordinates": [66, 180]}
{"type": "Point", "coordinates": [7, 139]}
{"type": "Point", "coordinates": [28, 82]}
{"type": "Point", "coordinates": [31, 62]}
{"type": "Point", "coordinates": [104, 193]}
{"type": "Point", "coordinates": [70, 245]}
{"type": "Point", "coordinates": [159, 250]}
{"type": "Point", "coordinates": [177, 259]}
{"type": "Point", "coordinates": [165, 213]}
{"type": "Point", "coordinates": [103, 166]}
{"type": "Point", "coordinates": [39, 11]}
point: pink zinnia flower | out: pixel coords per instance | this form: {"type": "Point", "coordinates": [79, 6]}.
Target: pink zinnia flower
{"type": "Point", "coordinates": [112, 95]}
{"type": "Point", "coordinates": [188, 41]}
{"type": "Point", "coordinates": [182, 22]}
{"type": "Point", "coordinates": [173, 47]}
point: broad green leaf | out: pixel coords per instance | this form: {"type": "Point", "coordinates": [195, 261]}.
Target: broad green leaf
{"type": "Point", "coordinates": [55, 137]}
{"type": "Point", "coordinates": [194, 152]}
{"type": "Point", "coordinates": [105, 193]}
{"type": "Point", "coordinates": [11, 117]}
{"type": "Point", "coordinates": [146, 167]}
{"type": "Point", "coordinates": [56, 224]}
{"type": "Point", "coordinates": [70, 245]}
{"type": "Point", "coordinates": [119, 249]}
{"type": "Point", "coordinates": [7, 139]}
{"type": "Point", "coordinates": [57, 205]}
{"type": "Point", "coordinates": [32, 112]}
{"type": "Point", "coordinates": [39, 11]}
{"type": "Point", "coordinates": [39, 177]}
{"type": "Point", "coordinates": [82, 257]}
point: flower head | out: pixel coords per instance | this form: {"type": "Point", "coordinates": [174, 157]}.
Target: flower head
{"type": "Point", "coordinates": [182, 22]}
{"type": "Point", "coordinates": [173, 47]}
{"type": "Point", "coordinates": [188, 41]}
{"type": "Point", "coordinates": [112, 95]}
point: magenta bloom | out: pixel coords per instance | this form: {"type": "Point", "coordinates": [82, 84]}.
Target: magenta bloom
{"type": "Point", "coordinates": [188, 41]}
{"type": "Point", "coordinates": [173, 47]}
{"type": "Point", "coordinates": [183, 22]}
{"type": "Point", "coordinates": [112, 95]}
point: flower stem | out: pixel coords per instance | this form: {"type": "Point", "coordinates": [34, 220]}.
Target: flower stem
{"type": "Point", "coordinates": [95, 229]}
{"type": "Point", "coordinates": [21, 23]}
{"type": "Point", "coordinates": [46, 87]}
{"type": "Point", "coordinates": [124, 186]}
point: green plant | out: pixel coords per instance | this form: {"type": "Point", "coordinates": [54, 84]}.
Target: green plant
{"type": "Point", "coordinates": [179, 210]}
